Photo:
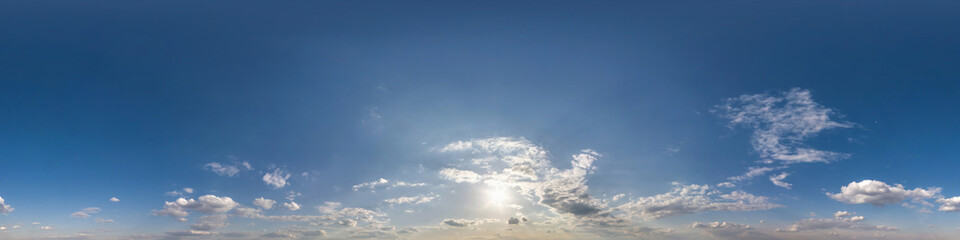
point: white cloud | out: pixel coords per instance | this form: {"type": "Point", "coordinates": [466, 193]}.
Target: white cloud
{"type": "Point", "coordinates": [114, 199]}
{"type": "Point", "coordinates": [414, 199]}
{"type": "Point", "coordinates": [277, 179]}
{"type": "Point", "coordinates": [264, 203]}
{"type": "Point", "coordinates": [45, 228]}
{"type": "Point", "coordinates": [101, 220]}
{"type": "Point", "coordinates": [188, 190]}
{"type": "Point", "coordinates": [278, 234]}
{"type": "Point", "coordinates": [293, 206]}
{"type": "Point", "coordinates": [949, 204]}
{"type": "Point", "coordinates": [210, 222]}
{"type": "Point", "coordinates": [778, 180]}
{"type": "Point", "coordinates": [618, 197]}
{"type": "Point", "coordinates": [191, 233]}
{"type": "Point", "coordinates": [840, 220]}
{"type": "Point", "coordinates": [85, 213]}
{"type": "Point", "coordinates": [781, 123]}
{"type": "Point", "coordinates": [4, 208]}
{"type": "Point", "coordinates": [204, 204]}
{"type": "Point", "coordinates": [688, 199]}
{"type": "Point", "coordinates": [246, 165]}
{"type": "Point", "coordinates": [519, 164]}
{"type": "Point", "coordinates": [459, 176]}
{"type": "Point", "coordinates": [332, 213]}
{"type": "Point", "coordinates": [372, 185]}
{"type": "Point", "coordinates": [720, 225]}
{"type": "Point", "coordinates": [79, 215]}
{"type": "Point", "coordinates": [753, 172]}
{"type": "Point", "coordinates": [466, 222]}
{"type": "Point", "coordinates": [880, 193]}
{"type": "Point", "coordinates": [222, 169]}
{"type": "Point", "coordinates": [406, 184]}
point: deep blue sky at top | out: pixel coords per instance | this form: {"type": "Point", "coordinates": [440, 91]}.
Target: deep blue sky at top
{"type": "Point", "coordinates": [100, 97]}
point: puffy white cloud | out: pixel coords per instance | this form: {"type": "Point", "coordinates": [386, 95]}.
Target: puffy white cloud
{"type": "Point", "coordinates": [277, 179]}
{"type": "Point", "coordinates": [210, 222]}
{"type": "Point", "coordinates": [521, 166]}
{"type": "Point", "coordinates": [413, 199]}
{"type": "Point", "coordinates": [293, 206]}
{"type": "Point", "coordinates": [781, 123]}
{"type": "Point", "coordinates": [459, 176]}
{"type": "Point", "coordinates": [618, 197]}
{"type": "Point", "coordinates": [466, 222]}
{"type": "Point", "coordinates": [687, 199]}
{"type": "Point", "coordinates": [4, 208]}
{"type": "Point", "coordinates": [114, 199]}
{"type": "Point", "coordinates": [188, 190]}
{"type": "Point", "coordinates": [79, 215]}
{"type": "Point", "coordinates": [372, 185]}
{"type": "Point", "coordinates": [720, 225]}
{"type": "Point", "coordinates": [753, 172]}
{"type": "Point", "coordinates": [949, 204]}
{"type": "Point", "coordinates": [406, 184]}
{"type": "Point", "coordinates": [204, 204]}
{"type": "Point", "coordinates": [840, 220]}
{"type": "Point", "coordinates": [222, 169]}
{"type": "Point", "coordinates": [778, 180]}
{"type": "Point", "coordinates": [332, 213]}
{"type": "Point", "coordinates": [264, 203]}
{"type": "Point", "coordinates": [45, 228]}
{"type": "Point", "coordinates": [191, 233]}
{"type": "Point", "coordinates": [278, 234]}
{"type": "Point", "coordinates": [85, 213]}
{"type": "Point", "coordinates": [880, 193]}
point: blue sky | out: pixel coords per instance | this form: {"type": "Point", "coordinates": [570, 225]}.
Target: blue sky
{"type": "Point", "coordinates": [497, 119]}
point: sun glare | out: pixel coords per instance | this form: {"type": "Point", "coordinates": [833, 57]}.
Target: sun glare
{"type": "Point", "coordinates": [498, 197]}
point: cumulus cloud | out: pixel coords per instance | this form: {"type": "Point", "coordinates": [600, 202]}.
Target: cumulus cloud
{"type": "Point", "coordinates": [781, 123]}
{"type": "Point", "coordinates": [880, 193]}
{"type": "Point", "coordinates": [459, 176]}
{"type": "Point", "coordinates": [720, 225]}
{"type": "Point", "coordinates": [293, 206]}
{"type": "Point", "coordinates": [688, 199]}
{"type": "Point", "coordinates": [114, 199]}
{"type": "Point", "coordinates": [372, 185]}
{"type": "Point", "coordinates": [4, 208]}
{"type": "Point", "coordinates": [210, 222]}
{"type": "Point", "coordinates": [778, 180]}
{"type": "Point", "coordinates": [412, 199]}
{"type": "Point", "coordinates": [222, 169]}
{"type": "Point", "coordinates": [264, 203]}
{"type": "Point", "coordinates": [278, 234]}
{"type": "Point", "coordinates": [203, 204]}
{"type": "Point", "coordinates": [465, 222]}
{"type": "Point", "coordinates": [191, 233]}
{"type": "Point", "coordinates": [45, 228]}
{"type": "Point", "coordinates": [753, 172]}
{"type": "Point", "coordinates": [277, 179]}
{"type": "Point", "coordinates": [508, 163]}
{"type": "Point", "coordinates": [406, 184]}
{"type": "Point", "coordinates": [840, 220]}
{"type": "Point", "coordinates": [85, 213]}
{"type": "Point", "coordinates": [331, 213]}
{"type": "Point", "coordinates": [949, 204]}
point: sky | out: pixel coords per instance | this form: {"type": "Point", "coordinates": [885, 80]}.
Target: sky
{"type": "Point", "coordinates": [479, 120]}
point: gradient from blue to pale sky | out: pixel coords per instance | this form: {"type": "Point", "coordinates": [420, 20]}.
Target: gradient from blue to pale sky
{"type": "Point", "coordinates": [134, 100]}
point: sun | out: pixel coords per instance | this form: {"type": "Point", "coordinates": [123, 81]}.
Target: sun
{"type": "Point", "coordinates": [498, 197]}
